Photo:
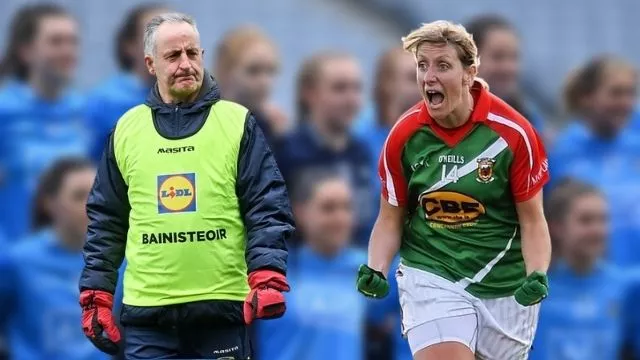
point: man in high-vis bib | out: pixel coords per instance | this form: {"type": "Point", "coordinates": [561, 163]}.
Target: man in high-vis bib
{"type": "Point", "coordinates": [189, 192]}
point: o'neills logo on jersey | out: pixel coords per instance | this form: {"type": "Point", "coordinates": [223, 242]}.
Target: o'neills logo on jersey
{"type": "Point", "coordinates": [450, 207]}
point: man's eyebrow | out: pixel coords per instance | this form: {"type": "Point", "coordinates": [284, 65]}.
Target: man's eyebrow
{"type": "Point", "coordinates": [171, 51]}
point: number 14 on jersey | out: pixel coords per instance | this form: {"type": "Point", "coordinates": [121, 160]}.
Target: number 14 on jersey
{"type": "Point", "coordinates": [452, 175]}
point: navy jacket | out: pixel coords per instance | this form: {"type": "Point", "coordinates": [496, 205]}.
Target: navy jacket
{"type": "Point", "coordinates": [263, 202]}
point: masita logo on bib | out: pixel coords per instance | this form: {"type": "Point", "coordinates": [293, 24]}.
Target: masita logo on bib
{"type": "Point", "coordinates": [176, 193]}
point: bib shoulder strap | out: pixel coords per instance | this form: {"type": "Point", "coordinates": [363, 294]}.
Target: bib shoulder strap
{"type": "Point", "coordinates": [233, 113]}
{"type": "Point", "coordinates": [131, 124]}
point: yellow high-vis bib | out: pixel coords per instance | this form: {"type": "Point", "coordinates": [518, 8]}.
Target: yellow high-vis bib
{"type": "Point", "coordinates": [186, 240]}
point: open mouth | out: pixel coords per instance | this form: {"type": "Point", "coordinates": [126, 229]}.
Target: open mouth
{"type": "Point", "coordinates": [435, 97]}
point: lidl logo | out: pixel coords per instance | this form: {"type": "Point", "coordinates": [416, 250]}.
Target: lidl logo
{"type": "Point", "coordinates": [176, 193]}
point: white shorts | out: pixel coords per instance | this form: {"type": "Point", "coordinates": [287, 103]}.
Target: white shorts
{"type": "Point", "coordinates": [436, 310]}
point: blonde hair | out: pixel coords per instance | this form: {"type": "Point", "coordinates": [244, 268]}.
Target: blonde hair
{"type": "Point", "coordinates": [234, 43]}
{"type": "Point", "coordinates": [444, 32]}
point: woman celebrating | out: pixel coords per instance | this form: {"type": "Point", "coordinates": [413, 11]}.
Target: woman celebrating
{"type": "Point", "coordinates": [246, 66]}
{"type": "Point", "coordinates": [462, 174]}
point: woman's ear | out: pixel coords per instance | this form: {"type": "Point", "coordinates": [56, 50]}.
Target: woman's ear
{"type": "Point", "coordinates": [470, 74]}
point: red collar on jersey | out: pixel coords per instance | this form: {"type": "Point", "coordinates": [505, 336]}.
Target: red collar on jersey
{"type": "Point", "coordinates": [482, 100]}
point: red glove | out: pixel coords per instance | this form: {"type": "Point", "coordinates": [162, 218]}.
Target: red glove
{"type": "Point", "coordinates": [98, 323]}
{"type": "Point", "coordinates": [265, 301]}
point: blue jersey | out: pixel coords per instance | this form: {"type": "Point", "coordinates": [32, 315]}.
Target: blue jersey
{"type": "Point", "coordinates": [366, 120]}
{"type": "Point", "coordinates": [582, 318]}
{"type": "Point", "coordinates": [380, 311]}
{"type": "Point", "coordinates": [35, 132]}
{"type": "Point", "coordinates": [631, 328]}
{"type": "Point", "coordinates": [39, 294]}
{"type": "Point", "coordinates": [614, 167]}
{"type": "Point", "coordinates": [302, 151]}
{"type": "Point", "coordinates": [374, 137]}
{"type": "Point", "coordinates": [325, 313]}
{"type": "Point", "coordinates": [108, 102]}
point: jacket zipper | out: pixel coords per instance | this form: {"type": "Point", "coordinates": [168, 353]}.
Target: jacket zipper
{"type": "Point", "coordinates": [176, 120]}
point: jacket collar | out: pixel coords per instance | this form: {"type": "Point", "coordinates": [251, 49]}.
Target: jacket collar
{"type": "Point", "coordinates": [208, 95]}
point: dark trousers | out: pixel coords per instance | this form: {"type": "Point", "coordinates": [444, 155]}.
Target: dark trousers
{"type": "Point", "coordinates": [189, 342]}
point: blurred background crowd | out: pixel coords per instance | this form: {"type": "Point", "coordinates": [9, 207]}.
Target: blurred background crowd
{"type": "Point", "coordinates": [326, 80]}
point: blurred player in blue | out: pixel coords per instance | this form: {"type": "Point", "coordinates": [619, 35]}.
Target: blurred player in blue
{"type": "Point", "coordinates": [325, 315]}
{"type": "Point", "coordinates": [329, 92]}
{"type": "Point", "coordinates": [246, 65]}
{"type": "Point", "coordinates": [601, 147]}
{"type": "Point", "coordinates": [500, 63]}
{"type": "Point", "coordinates": [130, 86]}
{"type": "Point", "coordinates": [631, 329]}
{"type": "Point", "coordinates": [385, 315]}
{"type": "Point", "coordinates": [38, 288]}
{"type": "Point", "coordinates": [41, 117]}
{"type": "Point", "coordinates": [395, 91]}
{"type": "Point", "coordinates": [582, 319]}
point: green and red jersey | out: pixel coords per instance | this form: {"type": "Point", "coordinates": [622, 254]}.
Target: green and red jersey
{"type": "Point", "coordinates": [459, 187]}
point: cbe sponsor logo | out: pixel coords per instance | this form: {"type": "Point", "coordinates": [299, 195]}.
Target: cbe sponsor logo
{"type": "Point", "coordinates": [450, 207]}
{"type": "Point", "coordinates": [176, 193]}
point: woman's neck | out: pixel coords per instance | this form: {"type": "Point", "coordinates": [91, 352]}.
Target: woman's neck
{"type": "Point", "coordinates": [71, 240]}
{"type": "Point", "coordinates": [336, 140]}
{"type": "Point", "coordinates": [581, 265]}
{"type": "Point", "coordinates": [46, 88]}
{"type": "Point", "coordinates": [319, 248]}
{"type": "Point", "coordinates": [460, 115]}
{"type": "Point", "coordinates": [389, 115]}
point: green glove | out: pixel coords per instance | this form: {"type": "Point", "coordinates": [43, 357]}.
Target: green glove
{"type": "Point", "coordinates": [534, 289]}
{"type": "Point", "coordinates": [372, 283]}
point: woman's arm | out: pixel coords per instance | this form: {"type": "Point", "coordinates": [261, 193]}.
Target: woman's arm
{"type": "Point", "coordinates": [536, 242]}
{"type": "Point", "coordinates": [386, 236]}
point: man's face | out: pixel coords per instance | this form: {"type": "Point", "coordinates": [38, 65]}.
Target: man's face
{"type": "Point", "coordinates": [500, 62]}
{"type": "Point", "coordinates": [54, 50]}
{"type": "Point", "coordinates": [337, 95]}
{"type": "Point", "coordinates": [177, 62]}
